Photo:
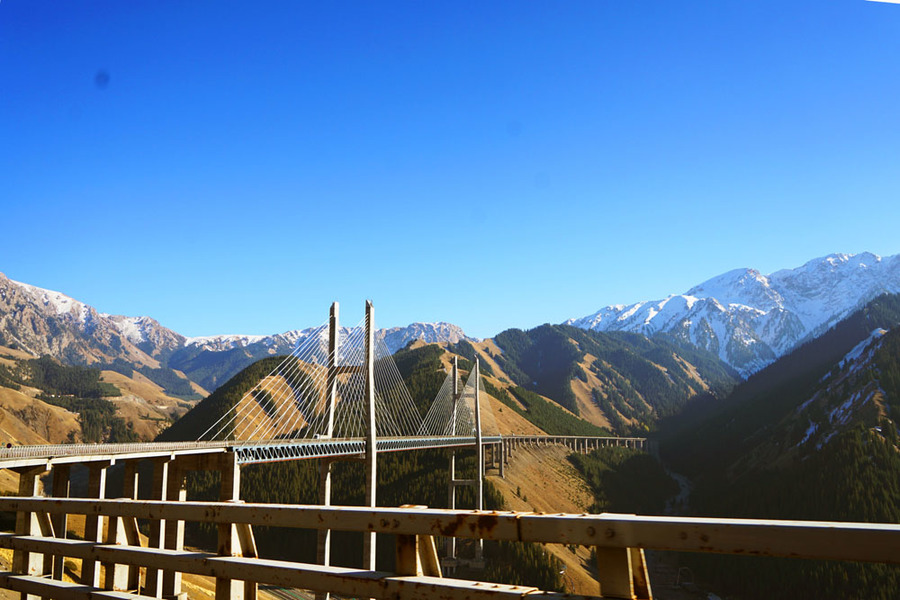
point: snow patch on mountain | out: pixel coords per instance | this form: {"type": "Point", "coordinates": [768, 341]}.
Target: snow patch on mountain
{"type": "Point", "coordinates": [56, 301]}
{"type": "Point", "coordinates": [749, 319]}
{"type": "Point", "coordinates": [861, 347]}
{"type": "Point", "coordinates": [396, 338]}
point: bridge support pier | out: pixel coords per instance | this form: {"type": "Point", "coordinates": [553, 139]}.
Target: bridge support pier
{"type": "Point", "coordinates": [371, 449]}
{"type": "Point", "coordinates": [451, 541]}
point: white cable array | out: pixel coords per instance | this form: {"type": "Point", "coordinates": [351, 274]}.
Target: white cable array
{"type": "Point", "coordinates": [292, 401]}
{"type": "Point", "coordinates": [465, 409]}
{"type": "Point", "coordinates": [224, 427]}
{"type": "Point", "coordinates": [295, 386]}
{"type": "Point", "coordinates": [488, 422]}
{"type": "Point", "coordinates": [401, 409]}
{"type": "Point", "coordinates": [438, 419]}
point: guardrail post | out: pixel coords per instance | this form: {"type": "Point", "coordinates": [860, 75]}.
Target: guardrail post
{"type": "Point", "coordinates": [122, 531]}
{"type": "Point", "coordinates": [622, 573]}
{"type": "Point", "coordinates": [230, 536]}
{"type": "Point", "coordinates": [416, 554]}
{"type": "Point", "coordinates": [29, 523]}
{"type": "Point", "coordinates": [93, 524]}
{"type": "Point", "coordinates": [153, 579]}
{"type": "Point", "coordinates": [176, 491]}
{"type": "Point", "coordinates": [60, 490]}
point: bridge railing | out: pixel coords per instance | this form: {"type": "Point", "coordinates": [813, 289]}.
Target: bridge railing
{"type": "Point", "coordinates": [618, 540]}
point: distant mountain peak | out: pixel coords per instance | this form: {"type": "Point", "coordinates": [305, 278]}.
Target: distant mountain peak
{"type": "Point", "coordinates": [749, 319]}
{"type": "Point", "coordinates": [394, 337]}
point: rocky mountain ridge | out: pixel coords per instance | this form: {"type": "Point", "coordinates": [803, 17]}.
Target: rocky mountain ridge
{"type": "Point", "coordinates": [749, 319]}
{"type": "Point", "coordinates": [39, 322]}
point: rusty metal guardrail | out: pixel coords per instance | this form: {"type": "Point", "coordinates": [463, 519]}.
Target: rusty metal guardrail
{"type": "Point", "coordinates": [618, 540]}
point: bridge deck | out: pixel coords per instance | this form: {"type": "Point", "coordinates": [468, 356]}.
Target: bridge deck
{"type": "Point", "coordinates": [264, 451]}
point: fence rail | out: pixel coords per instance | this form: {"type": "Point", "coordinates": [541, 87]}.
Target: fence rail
{"type": "Point", "coordinates": [615, 537]}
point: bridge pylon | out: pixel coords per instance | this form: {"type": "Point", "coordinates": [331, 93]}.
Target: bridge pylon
{"type": "Point", "coordinates": [371, 448]}
{"type": "Point", "coordinates": [323, 542]}
{"type": "Point", "coordinates": [451, 561]}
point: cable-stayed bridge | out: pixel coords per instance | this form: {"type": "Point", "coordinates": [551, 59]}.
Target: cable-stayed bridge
{"type": "Point", "coordinates": [338, 396]}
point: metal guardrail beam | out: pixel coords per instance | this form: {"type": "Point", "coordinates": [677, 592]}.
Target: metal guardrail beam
{"type": "Point", "coordinates": [865, 542]}
{"type": "Point", "coordinates": [339, 580]}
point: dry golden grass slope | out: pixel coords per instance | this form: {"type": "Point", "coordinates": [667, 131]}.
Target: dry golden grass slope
{"type": "Point", "coordinates": [587, 409]}
{"type": "Point", "coordinates": [146, 405]}
{"type": "Point", "coordinates": [542, 480]}
{"type": "Point", "coordinates": [27, 420]}
{"type": "Point", "coordinates": [508, 420]}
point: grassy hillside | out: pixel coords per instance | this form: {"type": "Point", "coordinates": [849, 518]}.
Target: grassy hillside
{"type": "Point", "coordinates": [542, 412]}
{"type": "Point", "coordinates": [48, 402]}
{"type": "Point", "coordinates": [622, 381]}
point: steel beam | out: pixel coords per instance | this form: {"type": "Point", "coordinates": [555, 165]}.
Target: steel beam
{"type": "Point", "coordinates": [864, 542]}
{"type": "Point", "coordinates": [339, 580]}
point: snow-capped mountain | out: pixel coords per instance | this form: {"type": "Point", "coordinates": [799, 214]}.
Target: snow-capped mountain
{"type": "Point", "coordinates": [749, 319]}
{"type": "Point", "coordinates": [42, 321]}
{"type": "Point", "coordinates": [394, 338]}
{"type": "Point", "coordinates": [398, 337]}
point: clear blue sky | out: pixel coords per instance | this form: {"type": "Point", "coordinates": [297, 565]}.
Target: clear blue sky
{"type": "Point", "coordinates": [233, 167]}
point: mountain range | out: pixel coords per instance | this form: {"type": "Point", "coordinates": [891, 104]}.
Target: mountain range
{"type": "Point", "coordinates": [749, 319]}
{"type": "Point", "coordinates": [745, 318]}
{"type": "Point", "coordinates": [39, 322]}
